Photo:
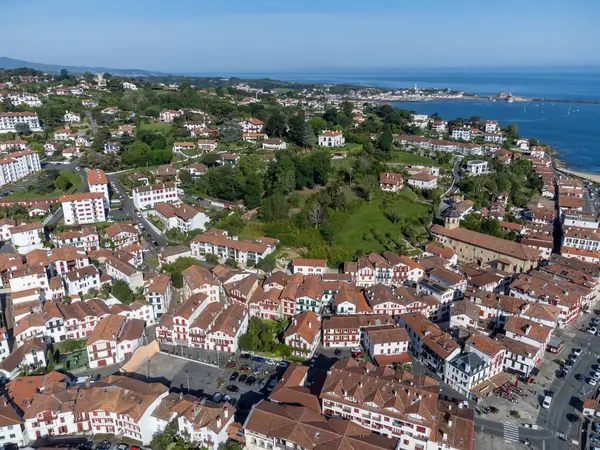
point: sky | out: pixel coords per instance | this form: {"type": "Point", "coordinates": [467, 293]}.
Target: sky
{"type": "Point", "coordinates": [234, 36]}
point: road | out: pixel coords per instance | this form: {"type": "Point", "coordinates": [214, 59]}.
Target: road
{"type": "Point", "coordinates": [129, 209]}
{"type": "Point", "coordinates": [455, 178]}
{"type": "Point", "coordinates": [568, 393]}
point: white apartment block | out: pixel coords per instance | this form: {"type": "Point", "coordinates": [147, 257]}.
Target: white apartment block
{"type": "Point", "coordinates": [462, 133]}
{"type": "Point", "coordinates": [147, 197]}
{"type": "Point", "coordinates": [9, 120]}
{"type": "Point", "coordinates": [18, 165]}
{"type": "Point", "coordinates": [219, 243]}
{"type": "Point", "coordinates": [309, 266]}
{"type": "Point", "coordinates": [98, 182]}
{"type": "Point", "coordinates": [83, 208]}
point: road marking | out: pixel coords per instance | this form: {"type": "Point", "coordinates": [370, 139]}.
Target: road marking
{"type": "Point", "coordinates": [511, 432]}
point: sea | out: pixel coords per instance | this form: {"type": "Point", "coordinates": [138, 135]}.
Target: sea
{"type": "Point", "coordinates": [573, 129]}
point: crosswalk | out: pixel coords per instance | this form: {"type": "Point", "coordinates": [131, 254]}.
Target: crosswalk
{"type": "Point", "coordinates": [511, 432]}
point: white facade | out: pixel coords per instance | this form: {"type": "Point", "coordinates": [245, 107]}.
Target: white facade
{"type": "Point", "coordinates": [98, 182]}
{"type": "Point", "coordinates": [70, 117]}
{"type": "Point", "coordinates": [8, 121]}
{"type": "Point", "coordinates": [146, 197]}
{"type": "Point", "coordinates": [83, 208]}
{"type": "Point", "coordinates": [463, 134]}
{"type": "Point", "coordinates": [477, 167]}
{"type": "Point", "coordinates": [332, 139]}
{"type": "Point", "coordinates": [28, 237]}
{"type": "Point", "coordinates": [80, 281]}
{"type": "Point", "coordinates": [18, 165]}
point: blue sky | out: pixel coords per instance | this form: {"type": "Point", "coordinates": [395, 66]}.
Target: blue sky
{"type": "Point", "coordinates": [233, 36]}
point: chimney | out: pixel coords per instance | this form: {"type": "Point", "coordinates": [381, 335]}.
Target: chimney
{"type": "Point", "coordinates": [226, 413]}
{"type": "Point", "coordinates": [295, 322]}
{"type": "Point", "coordinates": [309, 324]}
{"type": "Point", "coordinates": [218, 421]}
{"type": "Point", "coordinates": [450, 421]}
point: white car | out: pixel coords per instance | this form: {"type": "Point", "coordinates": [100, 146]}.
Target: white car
{"type": "Point", "coordinates": [592, 330]}
{"type": "Point", "coordinates": [270, 362]}
{"type": "Point", "coordinates": [596, 376]}
{"type": "Point", "coordinates": [547, 401]}
{"type": "Point", "coordinates": [592, 382]}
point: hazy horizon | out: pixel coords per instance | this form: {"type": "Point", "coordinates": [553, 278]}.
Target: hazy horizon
{"type": "Point", "coordinates": [270, 36]}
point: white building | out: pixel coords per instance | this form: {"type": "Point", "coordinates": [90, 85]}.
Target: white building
{"type": "Point", "coordinates": [113, 340]}
{"type": "Point", "coordinates": [147, 197]}
{"type": "Point", "coordinates": [70, 117]}
{"type": "Point", "coordinates": [309, 266]}
{"type": "Point", "coordinates": [17, 165]}
{"type": "Point", "coordinates": [184, 217]}
{"type": "Point", "coordinates": [122, 270]}
{"type": "Point", "coordinates": [9, 120]}
{"type": "Point", "coordinates": [387, 344]}
{"type": "Point", "coordinates": [80, 281]}
{"type": "Point", "coordinates": [491, 126]}
{"type": "Point", "coordinates": [219, 243]}
{"type": "Point", "coordinates": [83, 208]}
{"type": "Point", "coordinates": [129, 86]}
{"type": "Point", "coordinates": [303, 334]}
{"type": "Point", "coordinates": [332, 139]}
{"type": "Point", "coordinates": [98, 182]}
{"type": "Point", "coordinates": [252, 125]}
{"type": "Point", "coordinates": [27, 237]}
{"type": "Point", "coordinates": [477, 167]}
{"type": "Point", "coordinates": [464, 372]}
{"type": "Point", "coordinates": [158, 292]}
{"type": "Point", "coordinates": [462, 133]}
{"type": "Point", "coordinates": [10, 427]}
{"type": "Point", "coordinates": [422, 180]}
{"type": "Point", "coordinates": [274, 144]}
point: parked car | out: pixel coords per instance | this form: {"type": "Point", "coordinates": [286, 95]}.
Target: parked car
{"type": "Point", "coordinates": [356, 352]}
{"type": "Point", "coordinates": [122, 447]}
{"type": "Point", "coordinates": [232, 401]}
{"type": "Point", "coordinates": [283, 364]}
{"type": "Point", "coordinates": [217, 397]}
{"type": "Point", "coordinates": [595, 438]}
{"type": "Point", "coordinates": [104, 445]}
{"type": "Point", "coordinates": [245, 368]}
{"type": "Point", "coordinates": [242, 378]}
{"type": "Point", "coordinates": [272, 384]}
{"type": "Point", "coordinates": [262, 382]}
{"type": "Point", "coordinates": [562, 374]}
{"type": "Point", "coordinates": [231, 365]}
{"type": "Point", "coordinates": [592, 330]}
{"type": "Point", "coordinates": [258, 359]}
{"type": "Point", "coordinates": [270, 362]}
{"type": "Point", "coordinates": [596, 426]}
{"type": "Point", "coordinates": [592, 382]}
{"type": "Point", "coordinates": [233, 388]}
{"type": "Point", "coordinates": [250, 381]}
{"type": "Point", "coordinates": [547, 401]}
{"type": "Point", "coordinates": [245, 356]}
{"type": "Point", "coordinates": [233, 377]}
{"type": "Point", "coordinates": [256, 370]}
{"type": "Point", "coordinates": [596, 320]}
{"type": "Point", "coordinates": [576, 352]}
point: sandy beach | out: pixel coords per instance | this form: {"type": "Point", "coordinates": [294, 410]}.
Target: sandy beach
{"type": "Point", "coordinates": [595, 177]}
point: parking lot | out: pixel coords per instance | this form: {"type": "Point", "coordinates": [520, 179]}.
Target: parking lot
{"type": "Point", "coordinates": [205, 380]}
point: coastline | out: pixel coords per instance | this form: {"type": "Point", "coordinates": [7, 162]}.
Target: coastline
{"type": "Point", "coordinates": [560, 167]}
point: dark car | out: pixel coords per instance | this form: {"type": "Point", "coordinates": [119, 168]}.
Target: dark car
{"type": "Point", "coordinates": [233, 377]}
{"type": "Point", "coordinates": [337, 352]}
{"type": "Point", "coordinates": [233, 388]}
{"type": "Point", "coordinates": [562, 374]}
{"type": "Point", "coordinates": [579, 377]}
{"type": "Point", "coordinates": [258, 359]}
{"type": "Point", "coordinates": [245, 356]}
{"type": "Point", "coordinates": [104, 445]}
{"type": "Point", "coordinates": [250, 381]}
{"type": "Point", "coordinates": [232, 401]}
{"type": "Point", "coordinates": [242, 378]}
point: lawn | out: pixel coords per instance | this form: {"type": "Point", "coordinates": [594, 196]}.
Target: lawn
{"type": "Point", "coordinates": [357, 235]}
{"type": "Point", "coordinates": [161, 127]}
{"type": "Point", "coordinates": [399, 156]}
{"type": "Point", "coordinates": [74, 178]}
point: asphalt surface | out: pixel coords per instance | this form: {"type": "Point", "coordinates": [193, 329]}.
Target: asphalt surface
{"type": "Point", "coordinates": [128, 209]}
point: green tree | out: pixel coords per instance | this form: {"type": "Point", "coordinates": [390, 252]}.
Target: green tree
{"type": "Point", "coordinates": [122, 292]}
{"type": "Point", "coordinates": [307, 136]}
{"type": "Point", "coordinates": [268, 263]}
{"type": "Point", "coordinates": [23, 128]}
{"type": "Point", "coordinates": [285, 175]}
{"type": "Point", "coordinates": [230, 131]}
{"type": "Point", "coordinates": [386, 140]}
{"type": "Point", "coordinates": [276, 125]}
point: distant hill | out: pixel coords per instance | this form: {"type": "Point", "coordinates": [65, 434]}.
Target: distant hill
{"type": "Point", "coordinates": [10, 63]}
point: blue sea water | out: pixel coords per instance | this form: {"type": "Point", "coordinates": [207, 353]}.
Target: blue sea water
{"type": "Point", "coordinates": [573, 129]}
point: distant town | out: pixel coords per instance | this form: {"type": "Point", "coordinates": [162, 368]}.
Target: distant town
{"type": "Point", "coordinates": [225, 263]}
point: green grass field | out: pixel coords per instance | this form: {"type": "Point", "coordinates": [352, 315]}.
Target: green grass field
{"type": "Point", "coordinates": [356, 235]}
{"type": "Point", "coordinates": [73, 176]}
{"type": "Point", "coordinates": [160, 127]}
{"type": "Point", "coordinates": [399, 156]}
